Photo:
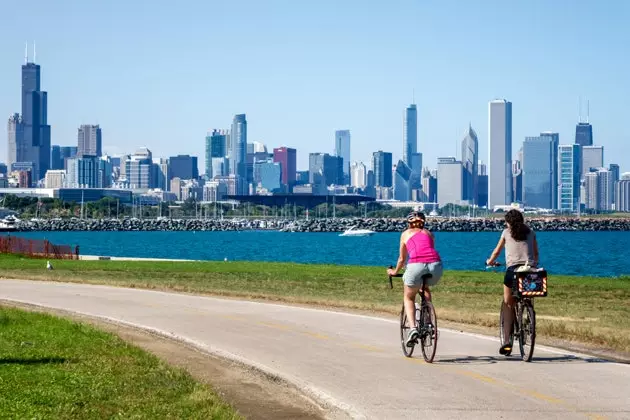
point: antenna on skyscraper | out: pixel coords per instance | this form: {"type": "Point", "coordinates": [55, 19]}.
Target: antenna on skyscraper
{"type": "Point", "coordinates": [34, 53]}
{"type": "Point", "coordinates": [579, 109]}
{"type": "Point", "coordinates": [588, 110]}
{"type": "Point", "coordinates": [26, 53]}
{"type": "Point", "coordinates": [413, 96]}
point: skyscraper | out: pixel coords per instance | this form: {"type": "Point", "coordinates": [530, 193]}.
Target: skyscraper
{"type": "Point", "coordinates": [15, 136]}
{"type": "Point", "coordinates": [410, 136]}
{"type": "Point", "coordinates": [614, 170]}
{"type": "Point", "coordinates": [358, 175]}
{"type": "Point", "coordinates": [342, 149]}
{"type": "Point", "coordinates": [622, 195]}
{"type": "Point", "coordinates": [599, 190]}
{"type": "Point", "coordinates": [82, 172]}
{"type": "Point", "coordinates": [470, 156]}
{"type": "Point", "coordinates": [138, 169]}
{"type": "Point", "coordinates": [382, 168]}
{"type": "Point", "coordinates": [450, 181]}
{"type": "Point", "coordinates": [325, 169]}
{"type": "Point", "coordinates": [592, 158]}
{"type": "Point", "coordinates": [402, 182]}
{"type": "Point", "coordinates": [238, 151]}
{"type": "Point", "coordinates": [35, 121]}
{"type": "Point", "coordinates": [89, 141]}
{"type": "Point", "coordinates": [287, 158]}
{"type": "Point", "coordinates": [216, 147]}
{"type": "Point", "coordinates": [499, 153]}
{"type": "Point", "coordinates": [540, 162]}
{"type": "Point", "coordinates": [584, 134]}
{"type": "Point", "coordinates": [569, 176]}
{"type": "Point", "coordinates": [183, 167]}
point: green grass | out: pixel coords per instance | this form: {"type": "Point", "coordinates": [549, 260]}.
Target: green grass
{"type": "Point", "coordinates": [55, 368]}
{"type": "Point", "coordinates": [590, 310]}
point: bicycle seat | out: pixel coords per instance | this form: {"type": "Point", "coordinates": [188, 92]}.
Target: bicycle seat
{"type": "Point", "coordinates": [427, 276]}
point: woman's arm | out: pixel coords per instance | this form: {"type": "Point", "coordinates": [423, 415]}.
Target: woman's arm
{"type": "Point", "coordinates": [496, 252]}
{"type": "Point", "coordinates": [402, 256]}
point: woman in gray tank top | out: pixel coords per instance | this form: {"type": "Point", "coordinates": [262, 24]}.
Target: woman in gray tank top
{"type": "Point", "coordinates": [521, 249]}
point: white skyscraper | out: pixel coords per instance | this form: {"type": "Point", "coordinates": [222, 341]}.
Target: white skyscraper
{"type": "Point", "coordinates": [450, 181]}
{"type": "Point", "coordinates": [358, 174]}
{"type": "Point", "coordinates": [342, 149]}
{"type": "Point", "coordinates": [89, 140]}
{"type": "Point", "coordinates": [499, 153]}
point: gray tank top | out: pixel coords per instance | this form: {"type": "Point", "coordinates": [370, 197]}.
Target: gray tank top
{"type": "Point", "coordinates": [518, 252]}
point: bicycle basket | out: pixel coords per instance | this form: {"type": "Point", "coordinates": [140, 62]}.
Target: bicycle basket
{"type": "Point", "coordinates": [531, 283]}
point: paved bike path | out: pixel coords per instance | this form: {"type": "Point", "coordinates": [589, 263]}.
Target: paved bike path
{"type": "Point", "coordinates": [355, 362]}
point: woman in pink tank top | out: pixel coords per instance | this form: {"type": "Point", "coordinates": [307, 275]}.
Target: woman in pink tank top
{"type": "Point", "coordinates": [417, 249]}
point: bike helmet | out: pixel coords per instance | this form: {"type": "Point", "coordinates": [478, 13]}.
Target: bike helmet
{"type": "Point", "coordinates": [416, 218]}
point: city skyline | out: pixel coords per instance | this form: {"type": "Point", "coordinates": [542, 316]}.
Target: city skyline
{"type": "Point", "coordinates": [364, 95]}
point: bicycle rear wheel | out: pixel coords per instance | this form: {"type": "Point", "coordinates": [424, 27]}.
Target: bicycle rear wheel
{"type": "Point", "coordinates": [404, 332]}
{"type": "Point", "coordinates": [527, 333]}
{"type": "Point", "coordinates": [501, 325]}
{"type": "Point", "coordinates": [428, 331]}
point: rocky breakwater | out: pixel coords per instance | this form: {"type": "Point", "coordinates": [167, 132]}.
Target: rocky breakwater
{"type": "Point", "coordinates": [147, 225]}
{"type": "Point", "coordinates": [459, 224]}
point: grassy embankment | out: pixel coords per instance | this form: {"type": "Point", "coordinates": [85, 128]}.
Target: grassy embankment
{"type": "Point", "coordinates": [590, 310]}
{"type": "Point", "coordinates": [54, 368]}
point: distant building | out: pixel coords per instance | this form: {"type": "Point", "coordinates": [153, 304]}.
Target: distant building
{"type": "Point", "coordinates": [517, 188]}
{"type": "Point", "coordinates": [238, 152]}
{"type": "Point", "coordinates": [358, 175]}
{"type": "Point", "coordinates": [214, 191]}
{"type": "Point", "coordinates": [216, 147]}
{"type": "Point", "coordinates": [410, 136]}
{"type": "Point", "coordinates": [287, 158]}
{"type": "Point", "coordinates": [622, 195]}
{"type": "Point", "coordinates": [342, 150]}
{"type": "Point", "coordinates": [592, 158]}
{"type": "Point", "coordinates": [219, 166]}
{"type": "Point", "coordinates": [569, 163]}
{"type": "Point", "coordinates": [268, 174]}
{"type": "Point", "coordinates": [450, 181]}
{"type": "Point", "coordinates": [470, 157]}
{"type": "Point", "coordinates": [499, 153]}
{"type": "Point", "coordinates": [55, 178]}
{"type": "Point", "coordinates": [614, 169]}
{"type": "Point", "coordinates": [89, 141]}
{"type": "Point", "coordinates": [325, 169]}
{"type": "Point", "coordinates": [540, 162]}
{"type": "Point", "coordinates": [599, 190]}
{"type": "Point", "coordinates": [584, 134]}
{"type": "Point", "coordinates": [429, 187]}
{"type": "Point", "coordinates": [382, 168]}
{"type": "Point", "coordinates": [82, 172]}
{"type": "Point", "coordinates": [183, 167]}
{"type": "Point", "coordinates": [138, 169]}
{"type": "Point", "coordinates": [402, 182]}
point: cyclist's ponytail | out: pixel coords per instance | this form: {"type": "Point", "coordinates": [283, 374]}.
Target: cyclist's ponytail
{"type": "Point", "coordinates": [518, 229]}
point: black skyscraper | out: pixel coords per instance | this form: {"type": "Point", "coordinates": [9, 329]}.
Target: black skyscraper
{"type": "Point", "coordinates": [584, 134]}
{"type": "Point", "coordinates": [36, 137]}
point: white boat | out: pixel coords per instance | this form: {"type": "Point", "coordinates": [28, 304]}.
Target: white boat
{"type": "Point", "coordinates": [357, 232]}
{"type": "Point", "coordinates": [8, 224]}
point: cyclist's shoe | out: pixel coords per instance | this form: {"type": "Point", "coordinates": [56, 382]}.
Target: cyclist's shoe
{"type": "Point", "coordinates": [412, 338]}
{"type": "Point", "coordinates": [505, 349]}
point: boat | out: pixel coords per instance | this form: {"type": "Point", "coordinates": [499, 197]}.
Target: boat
{"type": "Point", "coordinates": [8, 224]}
{"type": "Point", "coordinates": [358, 232]}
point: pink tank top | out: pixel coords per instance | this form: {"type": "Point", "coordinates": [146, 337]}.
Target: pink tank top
{"type": "Point", "coordinates": [420, 249]}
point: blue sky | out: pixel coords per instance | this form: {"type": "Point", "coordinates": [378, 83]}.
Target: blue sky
{"type": "Point", "coordinates": [161, 74]}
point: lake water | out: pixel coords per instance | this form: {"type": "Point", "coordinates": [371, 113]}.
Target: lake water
{"type": "Point", "coordinates": [580, 253]}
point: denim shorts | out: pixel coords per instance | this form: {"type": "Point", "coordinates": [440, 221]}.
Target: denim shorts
{"type": "Point", "coordinates": [414, 272]}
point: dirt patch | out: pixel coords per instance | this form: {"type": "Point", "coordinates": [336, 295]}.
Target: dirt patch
{"type": "Point", "coordinates": [254, 394]}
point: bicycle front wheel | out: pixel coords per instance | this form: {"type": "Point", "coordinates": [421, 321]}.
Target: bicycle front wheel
{"type": "Point", "coordinates": [527, 333]}
{"type": "Point", "coordinates": [404, 332]}
{"type": "Point", "coordinates": [428, 331]}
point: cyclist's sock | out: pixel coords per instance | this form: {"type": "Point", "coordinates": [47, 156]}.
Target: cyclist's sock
{"type": "Point", "coordinates": [412, 337]}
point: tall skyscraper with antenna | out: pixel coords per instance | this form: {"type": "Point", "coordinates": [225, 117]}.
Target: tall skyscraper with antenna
{"type": "Point", "coordinates": [583, 129]}
{"type": "Point", "coordinates": [33, 144]}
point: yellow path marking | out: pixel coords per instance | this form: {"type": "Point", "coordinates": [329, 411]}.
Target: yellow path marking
{"type": "Point", "coordinates": [367, 347]}
{"type": "Point", "coordinates": [316, 335]}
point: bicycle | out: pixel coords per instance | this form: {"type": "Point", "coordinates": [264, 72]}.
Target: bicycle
{"type": "Point", "coordinates": [527, 285]}
{"type": "Point", "coordinates": [426, 324]}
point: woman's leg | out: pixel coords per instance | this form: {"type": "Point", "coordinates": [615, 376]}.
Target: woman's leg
{"type": "Point", "coordinates": [409, 298]}
{"type": "Point", "coordinates": [508, 313]}
{"type": "Point", "coordinates": [427, 293]}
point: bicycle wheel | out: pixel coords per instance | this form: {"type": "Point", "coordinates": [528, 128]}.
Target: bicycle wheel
{"type": "Point", "coordinates": [428, 331]}
{"type": "Point", "coordinates": [527, 333]}
{"type": "Point", "coordinates": [404, 332]}
{"type": "Point", "coordinates": [501, 324]}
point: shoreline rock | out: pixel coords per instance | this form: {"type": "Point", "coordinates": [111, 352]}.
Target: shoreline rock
{"type": "Point", "coordinates": [318, 225]}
